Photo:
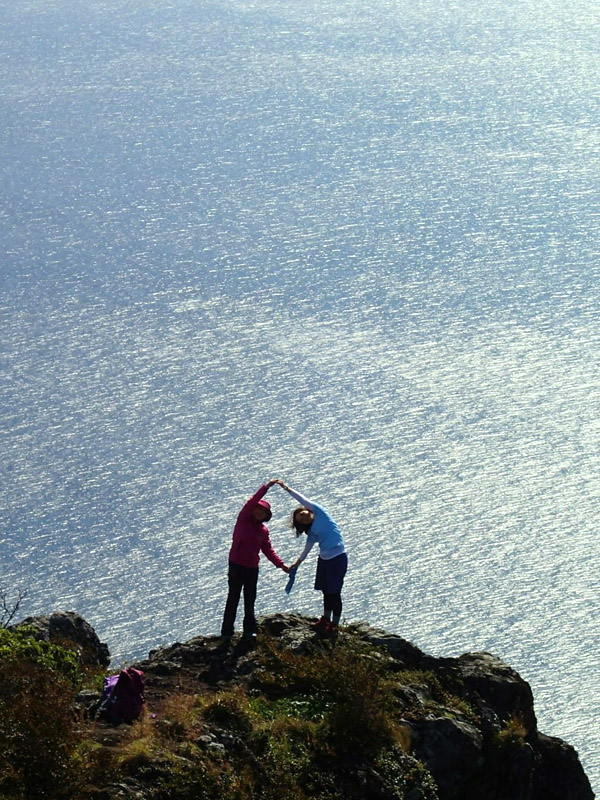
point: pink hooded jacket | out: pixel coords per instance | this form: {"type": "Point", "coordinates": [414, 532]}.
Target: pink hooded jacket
{"type": "Point", "coordinates": [251, 537]}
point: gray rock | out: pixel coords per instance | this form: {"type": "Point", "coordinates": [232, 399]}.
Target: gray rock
{"type": "Point", "coordinates": [162, 667]}
{"type": "Point", "coordinates": [450, 749]}
{"type": "Point", "coordinates": [496, 685]}
{"type": "Point", "coordinates": [399, 648]}
{"type": "Point", "coordinates": [559, 775]}
{"type": "Point", "coordinates": [69, 628]}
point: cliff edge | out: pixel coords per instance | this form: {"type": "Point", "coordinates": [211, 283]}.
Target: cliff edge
{"type": "Point", "coordinates": [370, 717]}
{"type": "Point", "coordinates": [293, 717]}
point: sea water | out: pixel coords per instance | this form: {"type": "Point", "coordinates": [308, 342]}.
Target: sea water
{"type": "Point", "coordinates": [350, 244]}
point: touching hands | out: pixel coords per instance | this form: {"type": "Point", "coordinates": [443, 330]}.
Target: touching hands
{"type": "Point", "coordinates": [273, 481]}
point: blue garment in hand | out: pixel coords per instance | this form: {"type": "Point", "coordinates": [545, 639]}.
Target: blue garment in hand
{"type": "Point", "coordinates": [291, 579]}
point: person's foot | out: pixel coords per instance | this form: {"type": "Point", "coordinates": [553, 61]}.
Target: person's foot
{"type": "Point", "coordinates": [321, 625]}
{"type": "Point", "coordinates": [329, 632]}
{"type": "Point", "coordinates": [249, 635]}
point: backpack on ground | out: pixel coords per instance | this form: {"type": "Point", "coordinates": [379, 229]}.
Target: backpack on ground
{"type": "Point", "coordinates": [123, 696]}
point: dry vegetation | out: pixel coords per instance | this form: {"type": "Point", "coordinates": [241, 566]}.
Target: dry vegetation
{"type": "Point", "coordinates": [324, 726]}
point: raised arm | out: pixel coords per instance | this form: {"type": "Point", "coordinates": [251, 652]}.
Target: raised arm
{"type": "Point", "coordinates": [304, 501]}
{"type": "Point", "coordinates": [249, 504]}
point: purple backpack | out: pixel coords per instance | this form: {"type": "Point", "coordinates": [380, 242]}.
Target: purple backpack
{"type": "Point", "coordinates": [123, 696]}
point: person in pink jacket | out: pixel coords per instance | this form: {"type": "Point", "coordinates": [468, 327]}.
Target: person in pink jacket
{"type": "Point", "coordinates": [250, 538]}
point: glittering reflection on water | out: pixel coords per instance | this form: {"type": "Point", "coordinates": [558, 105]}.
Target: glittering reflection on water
{"type": "Point", "coordinates": [461, 464]}
{"type": "Point", "coordinates": [354, 246]}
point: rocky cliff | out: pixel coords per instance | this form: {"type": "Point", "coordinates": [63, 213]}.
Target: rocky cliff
{"type": "Point", "coordinates": [368, 717]}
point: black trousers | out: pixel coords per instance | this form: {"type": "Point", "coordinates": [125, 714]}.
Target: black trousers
{"type": "Point", "coordinates": [332, 605]}
{"type": "Point", "coordinates": [239, 578]}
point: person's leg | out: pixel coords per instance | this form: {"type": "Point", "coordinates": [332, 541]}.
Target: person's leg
{"type": "Point", "coordinates": [336, 607]}
{"type": "Point", "coordinates": [250, 584]}
{"type": "Point", "coordinates": [235, 581]}
{"type": "Point", "coordinates": [334, 579]}
{"type": "Point", "coordinates": [320, 586]}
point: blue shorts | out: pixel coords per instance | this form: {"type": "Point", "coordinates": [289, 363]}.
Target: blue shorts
{"type": "Point", "coordinates": [330, 574]}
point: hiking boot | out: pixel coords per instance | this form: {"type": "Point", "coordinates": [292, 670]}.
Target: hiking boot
{"type": "Point", "coordinates": [332, 631]}
{"type": "Point", "coordinates": [327, 631]}
{"type": "Point", "coordinates": [321, 625]}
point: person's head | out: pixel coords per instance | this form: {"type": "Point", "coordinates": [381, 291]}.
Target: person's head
{"type": "Point", "coordinates": [302, 519]}
{"type": "Point", "coordinates": [262, 511]}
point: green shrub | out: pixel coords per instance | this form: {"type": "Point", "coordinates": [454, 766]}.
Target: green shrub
{"type": "Point", "coordinates": [22, 646]}
{"type": "Point", "coordinates": [347, 683]}
{"type": "Point", "coordinates": [513, 734]}
{"type": "Point", "coordinates": [41, 755]}
{"type": "Point", "coordinates": [295, 706]}
{"type": "Point", "coordinates": [229, 710]}
{"type": "Point", "coordinates": [202, 780]}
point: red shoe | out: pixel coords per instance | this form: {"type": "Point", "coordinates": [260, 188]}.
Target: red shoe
{"type": "Point", "coordinates": [332, 631]}
{"type": "Point", "coordinates": [321, 625]}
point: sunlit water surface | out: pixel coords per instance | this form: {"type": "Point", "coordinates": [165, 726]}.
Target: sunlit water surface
{"type": "Point", "coordinates": [351, 244]}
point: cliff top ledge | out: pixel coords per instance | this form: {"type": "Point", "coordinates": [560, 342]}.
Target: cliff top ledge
{"type": "Point", "coordinates": [369, 717]}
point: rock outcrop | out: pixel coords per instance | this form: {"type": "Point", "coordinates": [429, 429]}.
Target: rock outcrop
{"type": "Point", "coordinates": [451, 728]}
{"type": "Point", "coordinates": [67, 627]}
{"type": "Point", "coordinates": [469, 722]}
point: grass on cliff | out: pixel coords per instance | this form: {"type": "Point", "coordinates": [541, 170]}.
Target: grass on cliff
{"type": "Point", "coordinates": [316, 725]}
{"type": "Point", "coordinates": [42, 752]}
{"type": "Point", "coordinates": [301, 729]}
